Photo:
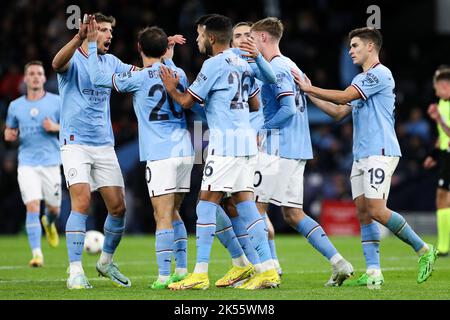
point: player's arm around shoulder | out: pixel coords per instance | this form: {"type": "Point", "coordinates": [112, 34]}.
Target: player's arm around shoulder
{"type": "Point", "coordinates": [340, 97]}
{"type": "Point", "coordinates": [334, 110]}
{"type": "Point", "coordinates": [170, 81]}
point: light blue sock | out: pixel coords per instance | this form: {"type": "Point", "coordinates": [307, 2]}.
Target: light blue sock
{"type": "Point", "coordinates": [206, 229]}
{"type": "Point", "coordinates": [273, 250]}
{"type": "Point", "coordinates": [370, 239]}
{"type": "Point", "coordinates": [244, 240]}
{"type": "Point", "coordinates": [226, 235]}
{"type": "Point", "coordinates": [256, 229]}
{"type": "Point", "coordinates": [398, 226]}
{"type": "Point", "coordinates": [164, 245]}
{"type": "Point", "coordinates": [50, 217]}
{"type": "Point", "coordinates": [180, 244]}
{"type": "Point", "coordinates": [75, 234]}
{"type": "Point", "coordinates": [34, 231]}
{"type": "Point", "coordinates": [315, 235]}
{"type": "Point", "coordinates": [113, 229]}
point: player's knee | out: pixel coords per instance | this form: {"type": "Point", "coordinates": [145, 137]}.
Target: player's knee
{"type": "Point", "coordinates": [229, 208]}
{"type": "Point", "coordinates": [118, 210]}
{"type": "Point", "coordinates": [292, 216]}
{"type": "Point", "coordinates": [53, 210]}
{"type": "Point", "coordinates": [33, 206]}
{"type": "Point", "coordinates": [363, 216]}
{"type": "Point", "coordinates": [262, 207]}
{"type": "Point", "coordinates": [376, 212]}
{"type": "Point", "coordinates": [163, 219]}
{"type": "Point", "coordinates": [81, 201]}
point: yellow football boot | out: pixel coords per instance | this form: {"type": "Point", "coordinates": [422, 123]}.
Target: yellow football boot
{"type": "Point", "coordinates": [234, 275]}
{"type": "Point", "coordinates": [50, 232]}
{"type": "Point", "coordinates": [196, 281]}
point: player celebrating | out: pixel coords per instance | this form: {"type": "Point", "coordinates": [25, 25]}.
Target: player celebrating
{"type": "Point", "coordinates": [235, 244]}
{"type": "Point", "coordinates": [370, 99]}
{"type": "Point", "coordinates": [441, 113]}
{"type": "Point", "coordinates": [224, 80]}
{"type": "Point", "coordinates": [164, 141]}
{"type": "Point", "coordinates": [87, 150]}
{"type": "Point", "coordinates": [286, 122]}
{"type": "Point", "coordinates": [242, 38]}
{"type": "Point", "coordinates": [231, 230]}
{"type": "Point", "coordinates": [34, 118]}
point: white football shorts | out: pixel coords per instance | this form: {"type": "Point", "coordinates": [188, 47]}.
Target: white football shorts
{"type": "Point", "coordinates": [228, 174]}
{"type": "Point", "coordinates": [279, 181]}
{"type": "Point", "coordinates": [371, 176]}
{"type": "Point", "coordinates": [40, 183]}
{"type": "Point", "coordinates": [97, 166]}
{"type": "Point", "coordinates": [169, 175]}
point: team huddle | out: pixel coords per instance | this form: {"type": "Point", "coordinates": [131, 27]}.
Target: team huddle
{"type": "Point", "coordinates": [254, 100]}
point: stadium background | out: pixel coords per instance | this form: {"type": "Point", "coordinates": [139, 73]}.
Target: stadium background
{"type": "Point", "coordinates": [416, 37]}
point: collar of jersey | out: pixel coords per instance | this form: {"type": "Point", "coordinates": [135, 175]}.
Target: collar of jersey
{"type": "Point", "coordinates": [83, 52]}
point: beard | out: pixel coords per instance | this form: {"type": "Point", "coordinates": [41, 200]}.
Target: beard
{"type": "Point", "coordinates": [208, 48]}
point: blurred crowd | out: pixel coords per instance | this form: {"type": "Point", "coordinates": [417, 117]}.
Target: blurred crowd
{"type": "Point", "coordinates": [315, 38]}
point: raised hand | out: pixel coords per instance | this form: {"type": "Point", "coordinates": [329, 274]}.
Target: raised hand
{"type": "Point", "coordinates": [82, 32]}
{"type": "Point", "coordinates": [172, 41]}
{"type": "Point", "coordinates": [249, 46]}
{"type": "Point", "coordinates": [92, 31]}
{"type": "Point", "coordinates": [167, 77]}
{"type": "Point", "coordinates": [176, 39]}
{"type": "Point", "coordinates": [303, 82]}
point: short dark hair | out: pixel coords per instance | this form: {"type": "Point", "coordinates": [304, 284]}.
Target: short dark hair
{"type": "Point", "coordinates": [201, 20]}
{"type": "Point", "coordinates": [153, 41]}
{"type": "Point", "coordinates": [220, 26]}
{"type": "Point", "coordinates": [33, 63]}
{"type": "Point", "coordinates": [272, 25]}
{"type": "Point", "coordinates": [100, 17]}
{"type": "Point", "coordinates": [367, 34]}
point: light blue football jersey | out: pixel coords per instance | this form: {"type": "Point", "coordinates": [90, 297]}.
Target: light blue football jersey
{"type": "Point", "coordinates": [292, 139]}
{"type": "Point", "coordinates": [373, 114]}
{"type": "Point", "coordinates": [225, 84]}
{"type": "Point", "coordinates": [85, 114]}
{"type": "Point", "coordinates": [257, 117]}
{"type": "Point", "coordinates": [162, 125]}
{"type": "Point", "coordinates": [37, 147]}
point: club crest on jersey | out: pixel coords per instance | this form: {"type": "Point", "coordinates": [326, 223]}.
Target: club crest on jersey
{"type": "Point", "coordinates": [34, 112]}
{"type": "Point", "coordinates": [370, 80]}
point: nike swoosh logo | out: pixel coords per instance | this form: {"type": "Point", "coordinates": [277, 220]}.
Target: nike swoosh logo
{"type": "Point", "coordinates": [121, 281]}
{"type": "Point", "coordinates": [190, 286]}
{"type": "Point", "coordinates": [374, 188]}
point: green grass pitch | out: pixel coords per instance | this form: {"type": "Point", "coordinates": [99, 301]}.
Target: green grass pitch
{"type": "Point", "coordinates": [304, 272]}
